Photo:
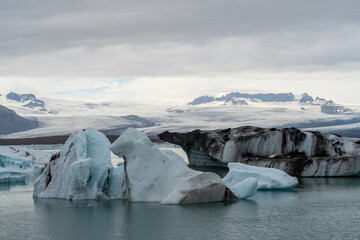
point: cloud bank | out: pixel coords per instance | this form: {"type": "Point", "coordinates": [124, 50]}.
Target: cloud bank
{"type": "Point", "coordinates": [194, 46]}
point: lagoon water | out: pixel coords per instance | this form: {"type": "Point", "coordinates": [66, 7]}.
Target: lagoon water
{"type": "Point", "coordinates": [316, 209]}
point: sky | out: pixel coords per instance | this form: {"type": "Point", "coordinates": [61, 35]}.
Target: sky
{"type": "Point", "coordinates": [114, 50]}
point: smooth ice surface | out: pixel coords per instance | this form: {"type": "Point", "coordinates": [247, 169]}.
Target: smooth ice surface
{"type": "Point", "coordinates": [152, 174]}
{"type": "Point", "coordinates": [244, 189]}
{"type": "Point", "coordinates": [176, 157]}
{"type": "Point", "coordinates": [268, 178]}
{"type": "Point", "coordinates": [82, 170]}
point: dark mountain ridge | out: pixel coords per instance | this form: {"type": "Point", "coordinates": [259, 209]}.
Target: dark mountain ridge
{"type": "Point", "coordinates": [10, 122]}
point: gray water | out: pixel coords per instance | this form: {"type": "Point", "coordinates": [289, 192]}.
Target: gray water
{"type": "Point", "coordinates": [316, 209]}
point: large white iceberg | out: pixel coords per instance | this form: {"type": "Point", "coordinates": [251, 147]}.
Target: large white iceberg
{"type": "Point", "coordinates": [82, 171]}
{"type": "Point", "coordinates": [152, 175]}
{"type": "Point", "coordinates": [268, 178]}
{"type": "Point", "coordinates": [19, 164]}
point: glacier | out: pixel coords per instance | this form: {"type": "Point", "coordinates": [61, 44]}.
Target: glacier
{"type": "Point", "coordinates": [267, 178]}
{"type": "Point", "coordinates": [81, 171]}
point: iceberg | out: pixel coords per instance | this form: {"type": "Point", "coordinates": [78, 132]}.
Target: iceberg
{"type": "Point", "coordinates": [152, 175]}
{"type": "Point", "coordinates": [20, 164]}
{"type": "Point", "coordinates": [268, 178]}
{"type": "Point", "coordinates": [81, 171]}
{"type": "Point", "coordinates": [298, 153]}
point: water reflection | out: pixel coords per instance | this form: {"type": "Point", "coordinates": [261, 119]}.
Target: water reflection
{"type": "Point", "coordinates": [8, 186]}
{"type": "Point", "coordinates": [5, 187]}
{"type": "Point", "coordinates": [122, 219]}
{"type": "Point", "coordinates": [86, 219]}
{"type": "Point", "coordinates": [275, 195]}
{"type": "Point", "coordinates": [350, 181]}
{"type": "Point", "coordinates": [267, 215]}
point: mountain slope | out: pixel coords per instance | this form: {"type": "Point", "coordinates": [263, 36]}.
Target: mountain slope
{"type": "Point", "coordinates": [10, 122]}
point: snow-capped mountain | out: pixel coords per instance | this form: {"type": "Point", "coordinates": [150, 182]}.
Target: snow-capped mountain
{"type": "Point", "coordinates": [327, 106]}
{"type": "Point", "coordinates": [236, 98]}
{"type": "Point", "coordinates": [28, 100]}
{"type": "Point", "coordinates": [206, 112]}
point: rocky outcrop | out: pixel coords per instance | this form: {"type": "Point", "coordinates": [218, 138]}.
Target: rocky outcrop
{"type": "Point", "coordinates": [298, 153]}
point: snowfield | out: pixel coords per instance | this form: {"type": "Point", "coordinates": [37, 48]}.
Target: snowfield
{"type": "Point", "coordinates": [65, 117]}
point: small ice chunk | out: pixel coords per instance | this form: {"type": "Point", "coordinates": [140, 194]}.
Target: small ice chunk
{"type": "Point", "coordinates": [244, 189]}
{"type": "Point", "coordinates": [268, 178]}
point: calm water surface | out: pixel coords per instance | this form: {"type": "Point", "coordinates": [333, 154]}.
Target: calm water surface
{"type": "Point", "coordinates": [316, 209]}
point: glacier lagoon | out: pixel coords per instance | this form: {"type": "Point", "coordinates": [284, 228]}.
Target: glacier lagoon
{"type": "Point", "coordinates": [318, 208]}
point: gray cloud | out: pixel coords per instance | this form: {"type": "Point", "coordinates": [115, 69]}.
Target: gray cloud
{"type": "Point", "coordinates": [161, 38]}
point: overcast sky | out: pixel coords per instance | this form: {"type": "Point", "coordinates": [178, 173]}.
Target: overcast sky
{"type": "Point", "coordinates": [114, 50]}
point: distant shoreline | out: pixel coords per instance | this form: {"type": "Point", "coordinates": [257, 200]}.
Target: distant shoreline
{"type": "Point", "coordinates": [49, 140]}
{"type": "Point", "coordinates": [52, 140]}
